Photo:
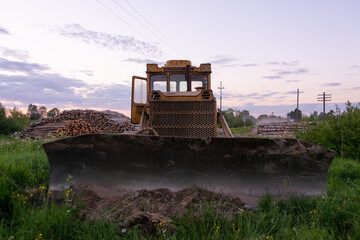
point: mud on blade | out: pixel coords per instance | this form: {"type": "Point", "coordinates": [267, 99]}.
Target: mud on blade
{"type": "Point", "coordinates": [242, 167]}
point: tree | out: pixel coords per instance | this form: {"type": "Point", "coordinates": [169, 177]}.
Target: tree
{"type": "Point", "coordinates": [339, 131]}
{"type": "Point", "coordinates": [314, 116]}
{"type": "Point", "coordinates": [236, 119]}
{"type": "Point", "coordinates": [42, 111]}
{"type": "Point", "coordinates": [3, 124]}
{"type": "Point", "coordinates": [327, 115]}
{"type": "Point", "coordinates": [2, 111]}
{"type": "Point", "coordinates": [53, 112]}
{"type": "Point", "coordinates": [295, 115]}
{"type": "Point", "coordinates": [33, 112]}
{"type": "Point", "coordinates": [262, 116]}
{"type": "Point", "coordinates": [245, 113]}
{"type": "Point", "coordinates": [16, 121]}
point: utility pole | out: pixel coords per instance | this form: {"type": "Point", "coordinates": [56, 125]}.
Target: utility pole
{"type": "Point", "coordinates": [324, 98]}
{"type": "Point", "coordinates": [221, 88]}
{"type": "Point", "coordinates": [297, 106]}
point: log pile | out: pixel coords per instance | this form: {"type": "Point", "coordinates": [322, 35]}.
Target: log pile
{"type": "Point", "coordinates": [76, 127]}
{"type": "Point", "coordinates": [76, 122]}
{"type": "Point", "coordinates": [281, 129]}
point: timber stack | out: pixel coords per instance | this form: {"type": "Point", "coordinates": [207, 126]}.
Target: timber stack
{"type": "Point", "coordinates": [282, 129]}
{"type": "Point", "coordinates": [77, 122]}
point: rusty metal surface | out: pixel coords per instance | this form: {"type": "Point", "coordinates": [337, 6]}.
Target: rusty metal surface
{"type": "Point", "coordinates": [243, 167]}
{"type": "Point", "coordinates": [194, 119]}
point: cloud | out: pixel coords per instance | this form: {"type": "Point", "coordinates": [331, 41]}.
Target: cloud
{"type": "Point", "coordinates": [143, 61]}
{"type": "Point", "coordinates": [52, 89]}
{"type": "Point", "coordinates": [57, 90]}
{"type": "Point", "coordinates": [222, 59]}
{"type": "Point", "coordinates": [254, 96]}
{"type": "Point", "coordinates": [16, 66]}
{"type": "Point", "coordinates": [293, 63]}
{"type": "Point", "coordinates": [331, 84]}
{"type": "Point", "coordinates": [87, 72]}
{"type": "Point", "coordinates": [16, 54]}
{"type": "Point", "coordinates": [292, 81]}
{"type": "Point", "coordinates": [230, 66]}
{"type": "Point", "coordinates": [356, 88]}
{"type": "Point", "coordinates": [268, 94]}
{"type": "Point", "coordinates": [272, 77]}
{"type": "Point", "coordinates": [355, 67]}
{"type": "Point", "coordinates": [4, 31]}
{"type": "Point", "coordinates": [293, 92]}
{"type": "Point", "coordinates": [296, 71]}
{"type": "Point", "coordinates": [109, 41]}
{"type": "Point", "coordinates": [250, 65]}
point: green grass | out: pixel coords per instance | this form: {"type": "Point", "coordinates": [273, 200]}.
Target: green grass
{"type": "Point", "coordinates": [23, 166]}
{"type": "Point", "coordinates": [241, 130]}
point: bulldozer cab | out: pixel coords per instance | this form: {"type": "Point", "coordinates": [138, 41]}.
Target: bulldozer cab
{"type": "Point", "coordinates": [178, 99]}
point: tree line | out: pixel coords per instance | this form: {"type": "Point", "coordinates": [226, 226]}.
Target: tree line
{"type": "Point", "coordinates": [237, 118]}
{"type": "Point", "coordinates": [13, 120]}
{"type": "Point", "coordinates": [34, 113]}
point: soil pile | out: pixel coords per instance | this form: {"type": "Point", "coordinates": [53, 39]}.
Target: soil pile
{"type": "Point", "coordinates": [151, 208]}
{"type": "Point", "coordinates": [76, 122]}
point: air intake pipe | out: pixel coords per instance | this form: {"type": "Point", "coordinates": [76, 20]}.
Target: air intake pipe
{"type": "Point", "coordinates": [188, 78]}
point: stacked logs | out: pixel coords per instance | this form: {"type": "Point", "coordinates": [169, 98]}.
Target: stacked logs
{"type": "Point", "coordinates": [282, 129]}
{"type": "Point", "coordinates": [76, 127]}
{"type": "Point", "coordinates": [76, 122]}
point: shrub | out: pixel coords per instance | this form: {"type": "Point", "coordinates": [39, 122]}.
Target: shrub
{"type": "Point", "coordinates": [15, 122]}
{"type": "Point", "coordinates": [339, 132]}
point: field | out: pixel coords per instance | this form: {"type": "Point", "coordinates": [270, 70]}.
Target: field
{"type": "Point", "coordinates": [27, 212]}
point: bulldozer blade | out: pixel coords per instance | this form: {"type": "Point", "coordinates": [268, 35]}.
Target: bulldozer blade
{"type": "Point", "coordinates": [246, 168]}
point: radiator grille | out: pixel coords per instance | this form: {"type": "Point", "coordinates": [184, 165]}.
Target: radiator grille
{"type": "Point", "coordinates": [194, 119]}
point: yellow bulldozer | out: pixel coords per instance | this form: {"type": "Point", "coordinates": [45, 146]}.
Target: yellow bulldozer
{"type": "Point", "coordinates": [177, 146]}
{"type": "Point", "coordinates": [176, 100]}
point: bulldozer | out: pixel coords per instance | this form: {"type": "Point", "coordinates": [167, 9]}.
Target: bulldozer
{"type": "Point", "coordinates": [177, 145]}
{"type": "Point", "coordinates": [176, 101]}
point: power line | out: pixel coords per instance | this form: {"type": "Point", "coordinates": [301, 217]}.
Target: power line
{"type": "Point", "coordinates": [148, 22]}
{"type": "Point", "coordinates": [116, 15]}
{"type": "Point", "coordinates": [142, 24]}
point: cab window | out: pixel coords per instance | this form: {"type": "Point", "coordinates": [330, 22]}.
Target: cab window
{"type": "Point", "coordinates": [158, 82]}
{"type": "Point", "coordinates": [198, 80]}
{"type": "Point", "coordinates": [178, 82]}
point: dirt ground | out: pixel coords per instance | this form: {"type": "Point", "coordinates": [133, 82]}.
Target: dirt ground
{"type": "Point", "coordinates": [150, 209]}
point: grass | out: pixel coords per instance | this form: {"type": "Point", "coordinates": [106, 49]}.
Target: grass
{"type": "Point", "coordinates": [241, 130]}
{"type": "Point", "coordinates": [24, 166]}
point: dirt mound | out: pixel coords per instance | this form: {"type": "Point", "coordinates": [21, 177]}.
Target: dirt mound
{"type": "Point", "coordinates": [151, 209]}
{"type": "Point", "coordinates": [75, 122]}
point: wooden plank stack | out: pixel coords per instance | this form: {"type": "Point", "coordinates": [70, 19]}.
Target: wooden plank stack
{"type": "Point", "coordinates": [76, 122]}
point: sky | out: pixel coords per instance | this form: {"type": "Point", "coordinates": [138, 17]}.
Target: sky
{"type": "Point", "coordinates": [82, 54]}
